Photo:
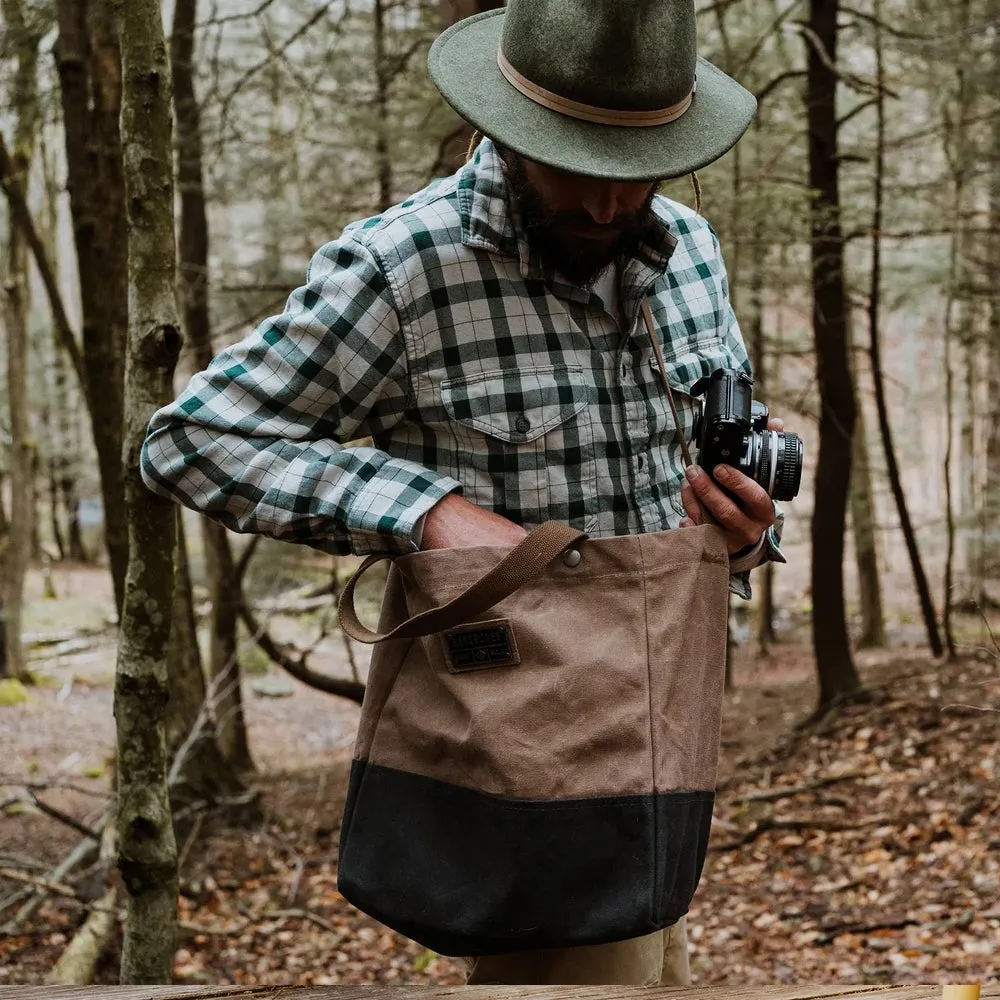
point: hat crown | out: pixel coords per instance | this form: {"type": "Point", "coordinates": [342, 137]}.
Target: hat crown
{"type": "Point", "coordinates": [626, 55]}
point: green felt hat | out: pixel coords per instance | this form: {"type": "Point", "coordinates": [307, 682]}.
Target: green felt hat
{"type": "Point", "coordinates": [606, 88]}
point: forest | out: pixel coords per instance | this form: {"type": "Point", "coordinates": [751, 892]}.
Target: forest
{"type": "Point", "coordinates": [167, 170]}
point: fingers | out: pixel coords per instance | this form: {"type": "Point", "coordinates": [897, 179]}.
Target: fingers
{"type": "Point", "coordinates": [751, 496]}
{"type": "Point", "coordinates": [775, 424]}
{"type": "Point", "coordinates": [691, 505]}
{"type": "Point", "coordinates": [743, 522]}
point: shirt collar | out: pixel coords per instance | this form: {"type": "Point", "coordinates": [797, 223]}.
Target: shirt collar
{"type": "Point", "coordinates": [491, 221]}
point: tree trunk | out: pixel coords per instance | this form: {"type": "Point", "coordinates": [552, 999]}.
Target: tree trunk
{"type": "Point", "coordinates": [990, 505]}
{"type": "Point", "coordinates": [383, 159]}
{"type": "Point", "coordinates": [863, 524]}
{"type": "Point", "coordinates": [837, 673]}
{"type": "Point", "coordinates": [22, 38]}
{"type": "Point", "coordinates": [920, 579]}
{"type": "Point", "coordinates": [758, 358]}
{"type": "Point", "coordinates": [65, 403]}
{"type": "Point", "coordinates": [957, 152]}
{"type": "Point", "coordinates": [865, 545]}
{"type": "Point", "coordinates": [972, 498]}
{"type": "Point", "coordinates": [90, 87]}
{"type": "Point", "coordinates": [147, 849]}
{"type": "Point", "coordinates": [15, 544]}
{"type": "Point", "coordinates": [223, 583]}
{"type": "Point", "coordinates": [198, 771]}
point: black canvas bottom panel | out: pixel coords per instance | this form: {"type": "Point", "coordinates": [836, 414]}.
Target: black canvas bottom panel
{"type": "Point", "coordinates": [465, 873]}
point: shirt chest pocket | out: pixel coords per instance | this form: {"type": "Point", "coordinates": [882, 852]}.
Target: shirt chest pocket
{"type": "Point", "coordinates": [524, 439]}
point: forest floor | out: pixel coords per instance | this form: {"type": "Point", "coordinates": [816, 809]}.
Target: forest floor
{"type": "Point", "coordinates": [860, 848]}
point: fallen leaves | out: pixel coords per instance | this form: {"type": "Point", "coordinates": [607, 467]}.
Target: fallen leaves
{"type": "Point", "coordinates": [894, 878]}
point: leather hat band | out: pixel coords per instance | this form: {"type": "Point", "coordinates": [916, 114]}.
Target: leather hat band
{"type": "Point", "coordinates": [589, 112]}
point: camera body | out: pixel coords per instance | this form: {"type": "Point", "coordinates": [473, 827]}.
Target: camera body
{"type": "Point", "coordinates": [731, 429]}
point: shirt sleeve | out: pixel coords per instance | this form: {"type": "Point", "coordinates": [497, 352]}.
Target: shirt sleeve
{"type": "Point", "coordinates": [768, 547]}
{"type": "Point", "coordinates": [258, 441]}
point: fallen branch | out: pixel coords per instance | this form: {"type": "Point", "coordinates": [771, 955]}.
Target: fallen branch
{"type": "Point", "coordinates": [42, 786]}
{"type": "Point", "coordinates": [62, 817]}
{"type": "Point", "coordinates": [829, 826]}
{"type": "Point", "coordinates": [830, 933]}
{"type": "Point", "coordinates": [865, 928]}
{"type": "Point", "coordinates": [77, 964]}
{"type": "Point", "coordinates": [279, 915]}
{"type": "Point", "coordinates": [79, 855]}
{"type": "Point", "coordinates": [57, 888]}
{"type": "Point", "coordinates": [776, 794]}
{"type": "Point", "coordinates": [22, 862]}
{"type": "Point", "coordinates": [352, 690]}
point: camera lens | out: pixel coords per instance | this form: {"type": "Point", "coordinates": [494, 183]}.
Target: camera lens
{"type": "Point", "coordinates": [774, 459]}
{"type": "Point", "coordinates": [788, 466]}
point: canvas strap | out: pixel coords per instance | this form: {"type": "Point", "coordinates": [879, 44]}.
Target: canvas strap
{"type": "Point", "coordinates": [647, 316]}
{"type": "Point", "coordinates": [520, 566]}
{"type": "Point", "coordinates": [589, 112]}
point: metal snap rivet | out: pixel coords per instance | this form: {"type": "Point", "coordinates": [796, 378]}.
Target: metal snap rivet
{"type": "Point", "coordinates": [572, 558]}
{"type": "Point", "coordinates": [522, 425]}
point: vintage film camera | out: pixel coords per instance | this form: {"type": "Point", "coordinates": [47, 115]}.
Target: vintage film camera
{"type": "Point", "coordinates": [731, 429]}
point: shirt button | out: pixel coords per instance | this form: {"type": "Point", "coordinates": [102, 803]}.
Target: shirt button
{"type": "Point", "coordinates": [522, 424]}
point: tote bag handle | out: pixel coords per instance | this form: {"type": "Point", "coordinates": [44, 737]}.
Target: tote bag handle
{"type": "Point", "coordinates": [527, 560]}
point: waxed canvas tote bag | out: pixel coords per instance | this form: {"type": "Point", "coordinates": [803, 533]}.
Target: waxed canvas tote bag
{"type": "Point", "coordinates": [536, 759]}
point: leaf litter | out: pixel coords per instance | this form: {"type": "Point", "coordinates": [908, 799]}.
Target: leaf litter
{"type": "Point", "coordinates": [863, 847]}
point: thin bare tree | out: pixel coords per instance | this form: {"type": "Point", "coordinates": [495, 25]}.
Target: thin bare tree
{"type": "Point", "coordinates": [193, 243]}
{"type": "Point", "coordinates": [835, 665]}
{"type": "Point", "coordinates": [88, 62]}
{"type": "Point", "coordinates": [22, 35]}
{"type": "Point", "coordinates": [147, 851]}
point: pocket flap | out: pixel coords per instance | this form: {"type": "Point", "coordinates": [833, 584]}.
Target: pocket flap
{"type": "Point", "coordinates": [516, 405]}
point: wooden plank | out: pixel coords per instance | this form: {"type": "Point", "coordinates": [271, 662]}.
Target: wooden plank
{"type": "Point", "coordinates": [482, 992]}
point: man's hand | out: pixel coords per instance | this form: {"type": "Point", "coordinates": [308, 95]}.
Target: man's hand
{"type": "Point", "coordinates": [455, 523]}
{"type": "Point", "coordinates": [742, 523]}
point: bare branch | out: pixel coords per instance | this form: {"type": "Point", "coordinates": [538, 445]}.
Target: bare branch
{"type": "Point", "coordinates": [352, 690]}
{"type": "Point", "coordinates": [856, 110]}
{"type": "Point", "coordinates": [250, 73]}
{"type": "Point", "coordinates": [769, 88]}
{"type": "Point", "coordinates": [70, 821]}
{"type": "Point", "coordinates": [849, 79]}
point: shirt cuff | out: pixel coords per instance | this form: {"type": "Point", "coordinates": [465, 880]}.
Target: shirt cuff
{"type": "Point", "coordinates": [767, 549]}
{"type": "Point", "coordinates": [417, 537]}
{"type": "Point", "coordinates": [384, 515]}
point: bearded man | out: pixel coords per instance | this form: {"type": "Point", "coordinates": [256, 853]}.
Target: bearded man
{"type": "Point", "coordinates": [485, 334]}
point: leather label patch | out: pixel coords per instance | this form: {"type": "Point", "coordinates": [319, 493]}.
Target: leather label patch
{"type": "Point", "coordinates": [481, 645]}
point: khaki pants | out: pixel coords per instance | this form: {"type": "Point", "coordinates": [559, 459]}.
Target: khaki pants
{"type": "Point", "coordinates": [659, 959]}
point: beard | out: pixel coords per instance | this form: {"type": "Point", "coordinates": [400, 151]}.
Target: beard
{"type": "Point", "coordinates": [555, 236]}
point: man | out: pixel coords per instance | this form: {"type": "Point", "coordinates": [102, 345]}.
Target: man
{"type": "Point", "coordinates": [486, 335]}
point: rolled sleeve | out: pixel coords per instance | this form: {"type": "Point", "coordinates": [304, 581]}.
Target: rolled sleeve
{"type": "Point", "coordinates": [262, 440]}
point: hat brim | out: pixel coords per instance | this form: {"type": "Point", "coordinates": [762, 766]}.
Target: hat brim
{"type": "Point", "coordinates": [463, 65]}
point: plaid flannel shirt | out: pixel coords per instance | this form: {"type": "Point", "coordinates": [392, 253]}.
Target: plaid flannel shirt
{"type": "Point", "coordinates": [434, 330]}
